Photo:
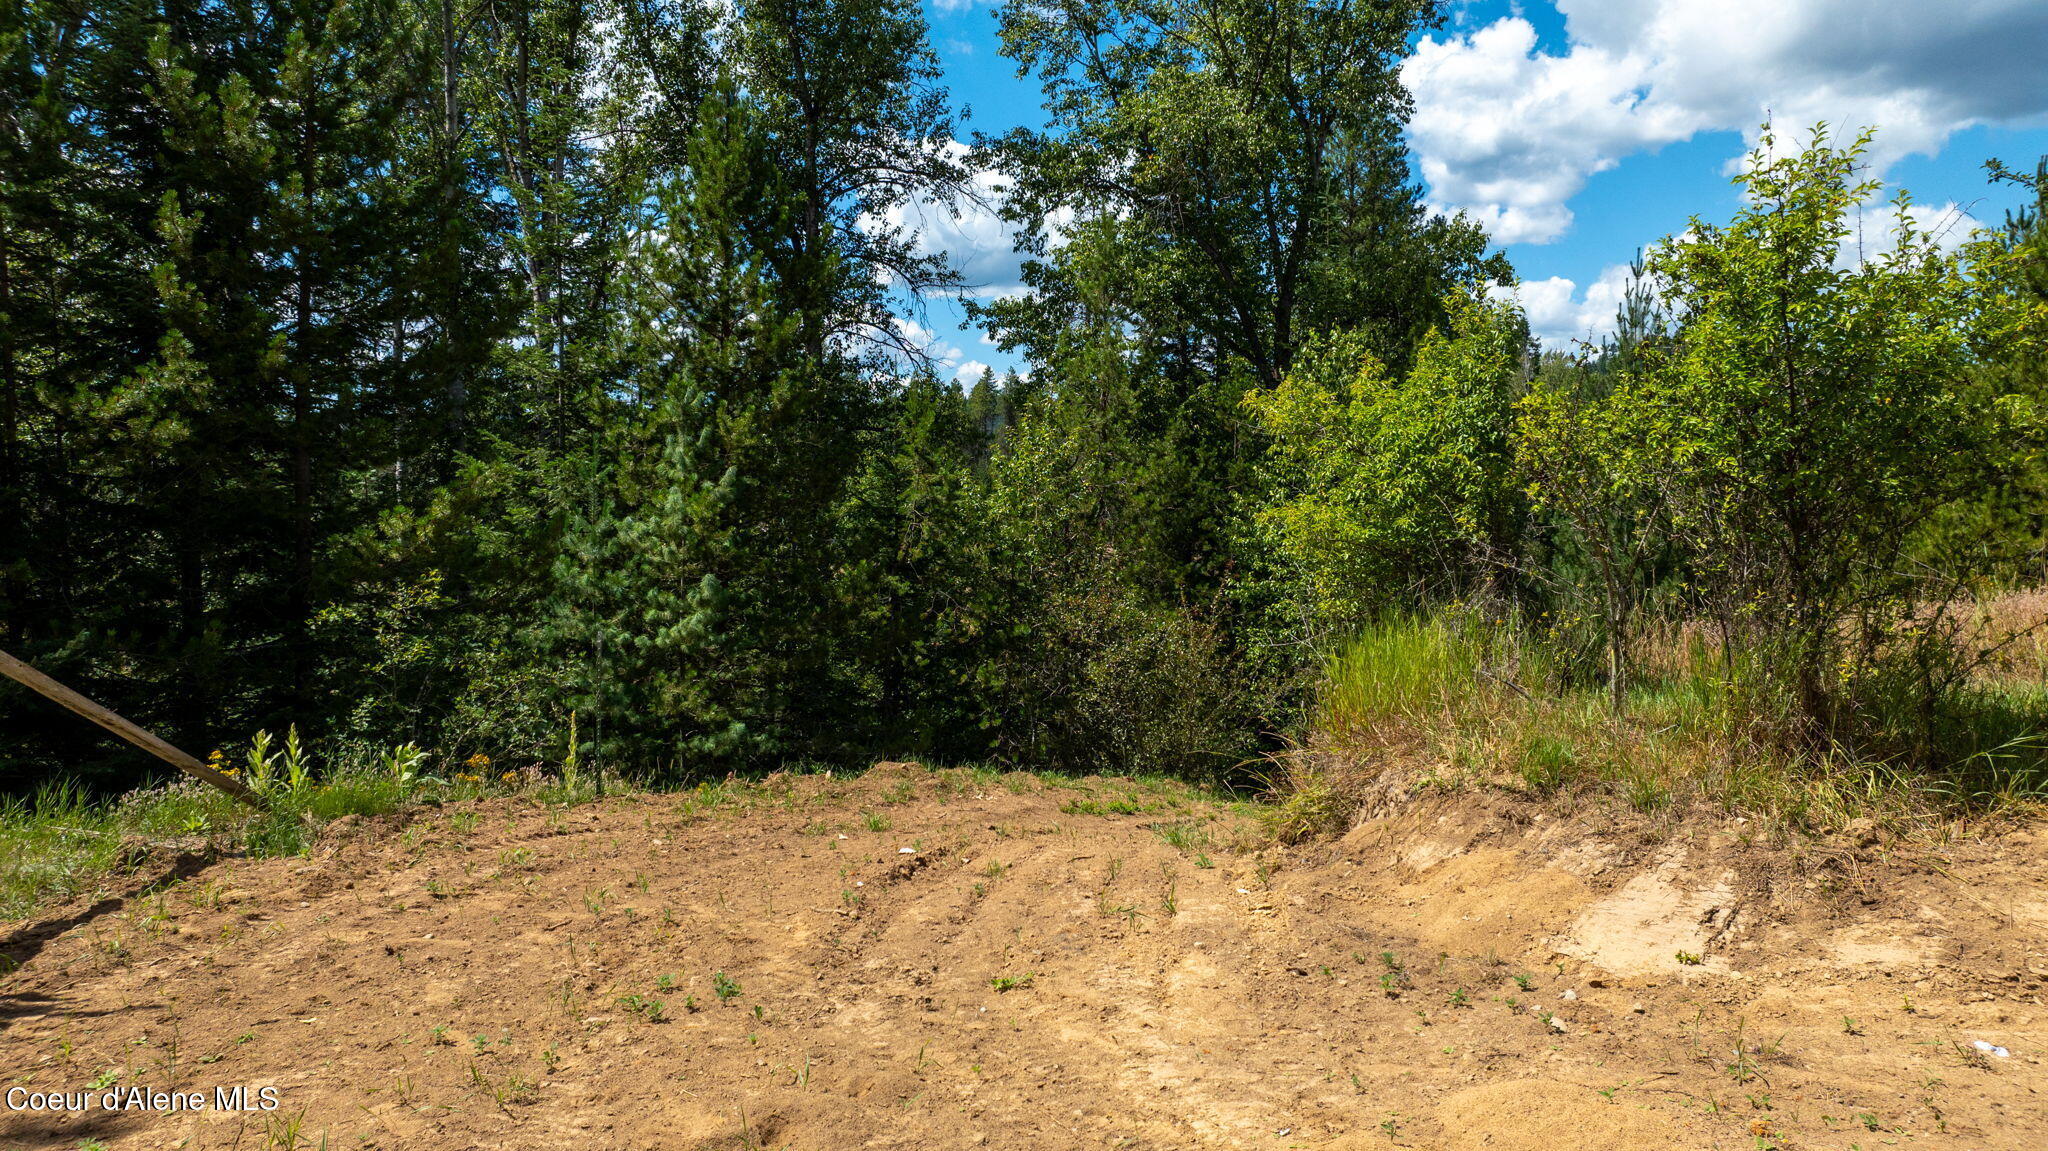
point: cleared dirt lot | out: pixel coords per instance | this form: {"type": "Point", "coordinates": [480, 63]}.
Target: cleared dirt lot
{"type": "Point", "coordinates": [920, 959]}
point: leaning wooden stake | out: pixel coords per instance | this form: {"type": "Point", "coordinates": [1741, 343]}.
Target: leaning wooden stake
{"type": "Point", "coordinates": [16, 670]}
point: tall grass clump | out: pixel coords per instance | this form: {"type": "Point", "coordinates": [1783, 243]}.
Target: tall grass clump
{"type": "Point", "coordinates": [1405, 669]}
{"type": "Point", "coordinates": [57, 841]}
{"type": "Point", "coordinates": [1410, 692]}
{"type": "Point", "coordinates": [1455, 699]}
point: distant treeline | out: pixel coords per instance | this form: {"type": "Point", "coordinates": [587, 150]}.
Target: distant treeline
{"type": "Point", "coordinates": [434, 371]}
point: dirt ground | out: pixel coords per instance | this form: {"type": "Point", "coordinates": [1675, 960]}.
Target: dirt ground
{"type": "Point", "coordinates": [920, 959]}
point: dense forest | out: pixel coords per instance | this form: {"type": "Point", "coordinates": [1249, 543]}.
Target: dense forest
{"type": "Point", "coordinates": [535, 378]}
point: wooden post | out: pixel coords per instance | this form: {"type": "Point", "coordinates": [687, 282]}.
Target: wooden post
{"type": "Point", "coordinates": [16, 670]}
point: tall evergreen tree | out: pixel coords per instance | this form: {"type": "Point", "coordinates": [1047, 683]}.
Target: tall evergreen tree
{"type": "Point", "coordinates": [696, 597]}
{"type": "Point", "coordinates": [206, 191]}
{"type": "Point", "coordinates": [849, 97]}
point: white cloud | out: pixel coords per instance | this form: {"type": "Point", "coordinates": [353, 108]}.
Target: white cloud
{"type": "Point", "coordinates": [949, 358]}
{"type": "Point", "coordinates": [1510, 133]}
{"type": "Point", "coordinates": [971, 233]}
{"type": "Point", "coordinates": [1560, 312]}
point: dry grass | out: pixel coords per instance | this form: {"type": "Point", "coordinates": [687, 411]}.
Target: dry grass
{"type": "Point", "coordinates": [1451, 701]}
{"type": "Point", "coordinates": [2012, 628]}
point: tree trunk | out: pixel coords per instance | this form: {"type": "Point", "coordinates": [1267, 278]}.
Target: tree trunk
{"type": "Point", "coordinates": [13, 523]}
{"type": "Point", "coordinates": [450, 303]}
{"type": "Point", "coordinates": [299, 601]}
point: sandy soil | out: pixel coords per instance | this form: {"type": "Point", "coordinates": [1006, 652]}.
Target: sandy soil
{"type": "Point", "coordinates": [938, 960]}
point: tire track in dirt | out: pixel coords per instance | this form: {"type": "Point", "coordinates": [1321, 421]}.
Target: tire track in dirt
{"type": "Point", "coordinates": [482, 977]}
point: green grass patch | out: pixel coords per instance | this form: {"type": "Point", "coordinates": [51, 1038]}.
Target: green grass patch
{"type": "Point", "coordinates": [1457, 701]}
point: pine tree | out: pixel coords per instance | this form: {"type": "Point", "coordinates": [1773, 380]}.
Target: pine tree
{"type": "Point", "coordinates": [922, 574]}
{"type": "Point", "coordinates": [695, 592]}
{"type": "Point", "coordinates": [205, 192]}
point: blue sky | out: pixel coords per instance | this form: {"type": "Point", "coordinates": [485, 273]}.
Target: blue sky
{"type": "Point", "coordinates": [1583, 130]}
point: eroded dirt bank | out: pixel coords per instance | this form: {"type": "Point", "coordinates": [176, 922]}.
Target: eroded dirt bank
{"type": "Point", "coordinates": [939, 960]}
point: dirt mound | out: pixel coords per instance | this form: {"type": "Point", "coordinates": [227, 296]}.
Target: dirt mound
{"type": "Point", "coordinates": [944, 959]}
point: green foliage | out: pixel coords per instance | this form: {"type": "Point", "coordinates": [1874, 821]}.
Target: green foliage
{"type": "Point", "coordinates": [1388, 492]}
{"type": "Point", "coordinates": [1809, 417]}
{"type": "Point", "coordinates": [2002, 527]}
{"type": "Point", "coordinates": [1229, 188]}
{"type": "Point", "coordinates": [430, 632]}
{"type": "Point", "coordinates": [530, 383]}
{"type": "Point", "coordinates": [928, 601]}
{"type": "Point", "coordinates": [1807, 409]}
{"type": "Point", "coordinates": [1575, 450]}
{"type": "Point", "coordinates": [317, 337]}
{"type": "Point", "coordinates": [1241, 164]}
{"type": "Point", "coordinates": [853, 117]}
{"type": "Point", "coordinates": [1786, 442]}
{"type": "Point", "coordinates": [695, 588]}
{"type": "Point", "coordinates": [402, 766]}
{"type": "Point", "coordinates": [1096, 669]}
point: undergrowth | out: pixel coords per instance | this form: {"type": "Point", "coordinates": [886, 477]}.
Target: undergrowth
{"type": "Point", "coordinates": [1409, 705]}
{"type": "Point", "coordinates": [1447, 701]}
